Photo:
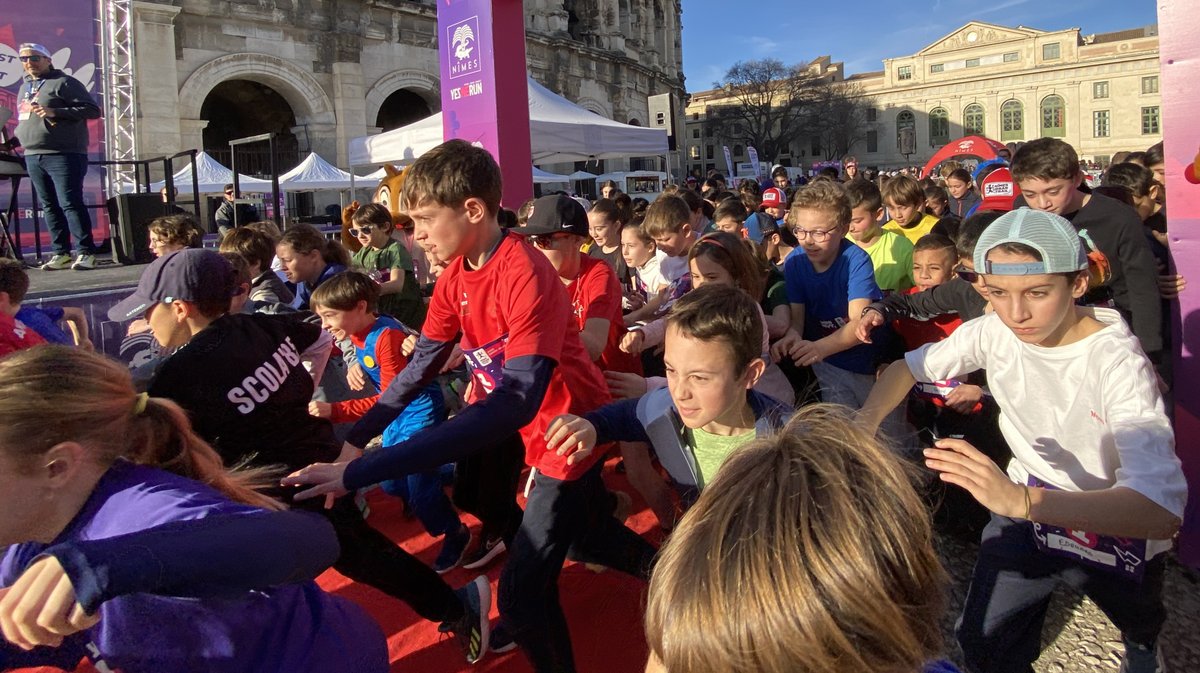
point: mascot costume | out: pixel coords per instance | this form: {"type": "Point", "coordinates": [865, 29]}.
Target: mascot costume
{"type": "Point", "coordinates": [388, 194]}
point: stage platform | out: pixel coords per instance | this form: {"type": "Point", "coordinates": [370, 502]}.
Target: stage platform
{"type": "Point", "coordinates": [106, 277]}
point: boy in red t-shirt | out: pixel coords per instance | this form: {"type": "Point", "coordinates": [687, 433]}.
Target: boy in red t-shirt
{"type": "Point", "coordinates": [528, 366]}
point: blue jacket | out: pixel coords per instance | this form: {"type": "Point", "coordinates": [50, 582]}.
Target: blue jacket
{"type": "Point", "coordinates": [652, 418]}
{"type": "Point", "coordinates": [186, 580]}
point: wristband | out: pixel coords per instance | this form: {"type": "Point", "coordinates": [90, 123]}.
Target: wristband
{"type": "Point", "coordinates": [871, 308]}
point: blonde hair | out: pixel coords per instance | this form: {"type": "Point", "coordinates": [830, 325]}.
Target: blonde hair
{"type": "Point", "coordinates": [823, 195]}
{"type": "Point", "coordinates": [55, 394]}
{"type": "Point", "coordinates": [809, 552]}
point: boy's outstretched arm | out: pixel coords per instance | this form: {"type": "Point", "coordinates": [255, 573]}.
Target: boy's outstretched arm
{"type": "Point", "coordinates": [423, 367]}
{"type": "Point", "coordinates": [511, 406]}
{"type": "Point", "coordinates": [889, 391]}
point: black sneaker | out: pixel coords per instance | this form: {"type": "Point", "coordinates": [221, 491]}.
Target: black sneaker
{"type": "Point", "coordinates": [454, 547]}
{"type": "Point", "coordinates": [471, 630]}
{"type": "Point", "coordinates": [502, 640]}
{"type": "Point", "coordinates": [489, 548]}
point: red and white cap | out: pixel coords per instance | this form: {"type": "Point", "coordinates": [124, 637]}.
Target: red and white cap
{"type": "Point", "coordinates": [998, 190]}
{"type": "Point", "coordinates": [774, 197]}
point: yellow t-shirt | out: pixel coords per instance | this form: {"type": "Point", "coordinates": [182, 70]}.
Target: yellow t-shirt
{"type": "Point", "coordinates": [915, 232]}
{"type": "Point", "coordinates": [892, 257]}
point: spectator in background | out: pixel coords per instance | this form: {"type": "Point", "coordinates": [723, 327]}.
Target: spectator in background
{"type": "Point", "coordinates": [52, 112]}
{"type": "Point", "coordinates": [230, 213]}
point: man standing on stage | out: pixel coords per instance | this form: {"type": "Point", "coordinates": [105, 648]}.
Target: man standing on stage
{"type": "Point", "coordinates": [53, 109]}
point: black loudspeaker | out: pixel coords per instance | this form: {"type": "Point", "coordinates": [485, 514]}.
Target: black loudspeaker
{"type": "Point", "coordinates": [129, 217]}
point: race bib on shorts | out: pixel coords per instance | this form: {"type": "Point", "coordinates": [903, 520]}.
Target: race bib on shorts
{"type": "Point", "coordinates": [1124, 557]}
{"type": "Point", "coordinates": [487, 364]}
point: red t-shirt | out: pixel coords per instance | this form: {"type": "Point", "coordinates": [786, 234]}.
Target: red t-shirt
{"type": "Point", "coordinates": [917, 333]}
{"type": "Point", "coordinates": [16, 335]}
{"type": "Point", "coordinates": [596, 293]}
{"type": "Point", "coordinates": [516, 305]}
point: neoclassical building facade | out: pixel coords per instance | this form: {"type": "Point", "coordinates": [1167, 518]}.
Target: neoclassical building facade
{"type": "Point", "coordinates": [1100, 93]}
{"type": "Point", "coordinates": [320, 73]}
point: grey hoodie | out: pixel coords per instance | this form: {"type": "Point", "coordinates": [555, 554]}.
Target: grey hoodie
{"type": "Point", "coordinates": [67, 132]}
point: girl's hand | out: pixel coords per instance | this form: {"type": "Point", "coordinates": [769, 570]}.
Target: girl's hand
{"type": "Point", "coordinates": [963, 465]}
{"type": "Point", "coordinates": [40, 609]}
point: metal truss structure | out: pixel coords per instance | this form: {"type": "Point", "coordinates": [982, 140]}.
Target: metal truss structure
{"type": "Point", "coordinates": [120, 101]}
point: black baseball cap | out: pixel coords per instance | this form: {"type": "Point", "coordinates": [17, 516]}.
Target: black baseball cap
{"type": "Point", "coordinates": [555, 214]}
{"type": "Point", "coordinates": [185, 275]}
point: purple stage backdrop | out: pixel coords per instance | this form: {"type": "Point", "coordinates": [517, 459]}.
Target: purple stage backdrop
{"type": "Point", "coordinates": [70, 29]}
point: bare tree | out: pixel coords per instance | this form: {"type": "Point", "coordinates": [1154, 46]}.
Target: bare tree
{"type": "Point", "coordinates": [835, 115]}
{"type": "Point", "coordinates": [767, 100]}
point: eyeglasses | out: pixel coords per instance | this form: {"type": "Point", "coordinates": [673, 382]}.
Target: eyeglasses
{"type": "Point", "coordinates": [228, 193]}
{"type": "Point", "coordinates": [546, 241]}
{"type": "Point", "coordinates": [818, 235]}
{"type": "Point", "coordinates": [35, 58]}
{"type": "Point", "coordinates": [156, 242]}
{"type": "Point", "coordinates": [364, 230]}
{"type": "Point", "coordinates": [966, 274]}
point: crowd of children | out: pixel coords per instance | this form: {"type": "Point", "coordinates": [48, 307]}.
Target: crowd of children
{"type": "Point", "coordinates": [688, 337]}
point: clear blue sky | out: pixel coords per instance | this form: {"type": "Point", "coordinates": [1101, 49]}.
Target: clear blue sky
{"type": "Point", "coordinates": [862, 33]}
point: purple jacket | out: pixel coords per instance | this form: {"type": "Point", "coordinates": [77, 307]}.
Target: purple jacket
{"type": "Point", "coordinates": [186, 580]}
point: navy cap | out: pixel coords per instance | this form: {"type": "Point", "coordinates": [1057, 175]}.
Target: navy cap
{"type": "Point", "coordinates": [554, 214]}
{"type": "Point", "coordinates": [185, 275]}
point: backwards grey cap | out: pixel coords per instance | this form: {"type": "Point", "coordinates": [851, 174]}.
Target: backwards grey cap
{"type": "Point", "coordinates": [186, 275]}
{"type": "Point", "coordinates": [1054, 238]}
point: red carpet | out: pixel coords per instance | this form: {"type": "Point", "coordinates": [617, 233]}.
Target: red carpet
{"type": "Point", "coordinates": [604, 610]}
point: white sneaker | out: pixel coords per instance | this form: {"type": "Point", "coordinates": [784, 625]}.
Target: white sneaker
{"type": "Point", "coordinates": [58, 262]}
{"type": "Point", "coordinates": [84, 262]}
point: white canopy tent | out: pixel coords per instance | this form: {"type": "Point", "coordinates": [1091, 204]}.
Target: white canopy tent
{"type": "Point", "coordinates": [560, 131]}
{"type": "Point", "coordinates": [314, 173]}
{"type": "Point", "coordinates": [543, 177]}
{"type": "Point", "coordinates": [212, 177]}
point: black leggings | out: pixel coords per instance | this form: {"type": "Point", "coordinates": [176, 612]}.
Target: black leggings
{"type": "Point", "coordinates": [370, 557]}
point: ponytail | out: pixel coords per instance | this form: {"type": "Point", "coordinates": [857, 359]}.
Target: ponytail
{"type": "Point", "coordinates": [54, 394]}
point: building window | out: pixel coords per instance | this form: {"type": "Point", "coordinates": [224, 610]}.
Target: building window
{"type": "Point", "coordinates": [694, 151]}
{"type": "Point", "coordinates": [1100, 90]}
{"type": "Point", "coordinates": [737, 151]}
{"type": "Point", "coordinates": [1150, 121]}
{"type": "Point", "coordinates": [937, 67]}
{"type": "Point", "coordinates": [972, 63]}
{"type": "Point", "coordinates": [872, 141]}
{"type": "Point", "coordinates": [1012, 121]}
{"type": "Point", "coordinates": [939, 127]}
{"type": "Point", "coordinates": [871, 114]}
{"type": "Point", "coordinates": [904, 73]}
{"type": "Point", "coordinates": [708, 151]}
{"type": "Point", "coordinates": [695, 116]}
{"type": "Point", "coordinates": [1150, 84]}
{"type": "Point", "coordinates": [1054, 117]}
{"type": "Point", "coordinates": [695, 133]}
{"type": "Point", "coordinates": [906, 132]}
{"type": "Point", "coordinates": [1012, 57]}
{"type": "Point", "coordinates": [1050, 51]}
{"type": "Point", "coordinates": [1100, 124]}
{"type": "Point", "coordinates": [973, 119]}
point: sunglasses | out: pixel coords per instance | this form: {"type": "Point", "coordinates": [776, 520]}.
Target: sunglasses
{"type": "Point", "coordinates": [34, 58]}
{"type": "Point", "coordinates": [228, 193]}
{"type": "Point", "coordinates": [966, 274]}
{"type": "Point", "coordinates": [364, 230]}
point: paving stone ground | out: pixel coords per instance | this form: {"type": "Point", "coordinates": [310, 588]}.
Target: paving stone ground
{"type": "Point", "coordinates": [1078, 638]}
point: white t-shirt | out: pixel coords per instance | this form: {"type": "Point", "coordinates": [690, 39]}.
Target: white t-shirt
{"type": "Point", "coordinates": [674, 268]}
{"type": "Point", "coordinates": [651, 275]}
{"type": "Point", "coordinates": [1082, 417]}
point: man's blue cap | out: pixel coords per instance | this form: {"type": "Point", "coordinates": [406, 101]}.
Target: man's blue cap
{"type": "Point", "coordinates": [186, 275]}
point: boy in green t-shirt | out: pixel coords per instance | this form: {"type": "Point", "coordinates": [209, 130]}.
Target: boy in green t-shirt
{"type": "Point", "coordinates": [389, 264]}
{"type": "Point", "coordinates": [891, 253]}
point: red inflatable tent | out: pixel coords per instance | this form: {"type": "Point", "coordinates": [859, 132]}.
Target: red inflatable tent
{"type": "Point", "coordinates": [968, 146]}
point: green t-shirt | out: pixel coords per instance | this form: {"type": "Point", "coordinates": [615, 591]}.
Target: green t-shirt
{"type": "Point", "coordinates": [892, 256]}
{"type": "Point", "coordinates": [407, 306]}
{"type": "Point", "coordinates": [774, 291]}
{"type": "Point", "coordinates": [712, 450]}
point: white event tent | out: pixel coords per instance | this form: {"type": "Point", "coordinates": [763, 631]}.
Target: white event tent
{"type": "Point", "coordinates": [314, 173]}
{"type": "Point", "coordinates": [560, 131]}
{"type": "Point", "coordinates": [212, 177]}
